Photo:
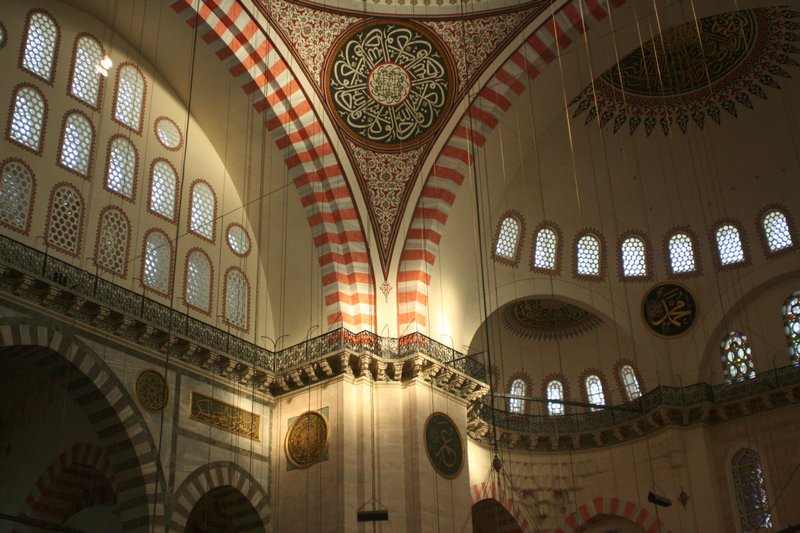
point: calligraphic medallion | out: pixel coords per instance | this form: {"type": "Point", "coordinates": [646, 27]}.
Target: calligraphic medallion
{"type": "Point", "coordinates": [152, 391]}
{"type": "Point", "coordinates": [225, 416]}
{"type": "Point", "coordinates": [444, 446]}
{"type": "Point", "coordinates": [306, 439]}
{"type": "Point", "coordinates": [669, 309]}
{"type": "Point", "coordinates": [390, 83]}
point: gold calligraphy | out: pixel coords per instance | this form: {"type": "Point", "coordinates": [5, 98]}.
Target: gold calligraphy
{"type": "Point", "coordinates": [668, 309]}
{"type": "Point", "coordinates": [306, 439]}
{"type": "Point", "coordinates": [225, 416]}
{"type": "Point", "coordinates": [443, 444]}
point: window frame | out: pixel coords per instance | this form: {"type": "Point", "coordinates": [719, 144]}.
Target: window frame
{"type": "Point", "coordinates": [79, 241]}
{"type": "Point", "coordinates": [249, 239]}
{"type": "Point", "coordinates": [104, 268]}
{"type": "Point", "coordinates": [134, 185]}
{"type": "Point", "coordinates": [171, 263]}
{"type": "Point", "coordinates": [225, 318]}
{"type": "Point", "coordinates": [526, 383]}
{"type": "Point", "coordinates": [621, 382]}
{"type": "Point", "coordinates": [547, 224]}
{"type": "Point", "coordinates": [730, 457]}
{"type": "Point", "coordinates": [698, 258]}
{"type": "Point", "coordinates": [116, 98]}
{"type": "Point", "coordinates": [189, 254]}
{"type": "Point", "coordinates": [90, 163]}
{"type": "Point", "coordinates": [648, 257]}
{"type": "Point", "coordinates": [762, 233]}
{"type": "Point", "coordinates": [603, 385]}
{"type": "Point", "coordinates": [730, 380]}
{"type": "Point", "coordinates": [180, 133]}
{"type": "Point", "coordinates": [565, 390]}
{"type": "Point", "coordinates": [214, 217]}
{"type": "Point", "coordinates": [514, 261]}
{"type": "Point", "coordinates": [32, 200]}
{"type": "Point", "coordinates": [101, 86]}
{"type": "Point", "coordinates": [151, 175]}
{"type": "Point", "coordinates": [600, 276]}
{"type": "Point", "coordinates": [12, 106]}
{"type": "Point", "coordinates": [24, 41]}
{"type": "Point", "coordinates": [792, 339]}
{"type": "Point", "coordinates": [715, 252]}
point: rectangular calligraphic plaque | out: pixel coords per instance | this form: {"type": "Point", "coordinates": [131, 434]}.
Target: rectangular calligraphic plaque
{"type": "Point", "coordinates": [224, 416]}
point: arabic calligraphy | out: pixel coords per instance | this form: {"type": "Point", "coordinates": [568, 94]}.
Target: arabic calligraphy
{"type": "Point", "coordinates": [389, 83]}
{"type": "Point", "coordinates": [443, 444]}
{"type": "Point", "coordinates": [151, 390]}
{"type": "Point", "coordinates": [225, 416]}
{"type": "Point", "coordinates": [306, 439]}
{"type": "Point", "coordinates": [669, 309]}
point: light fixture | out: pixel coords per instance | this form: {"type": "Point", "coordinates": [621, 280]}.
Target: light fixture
{"type": "Point", "coordinates": [104, 65]}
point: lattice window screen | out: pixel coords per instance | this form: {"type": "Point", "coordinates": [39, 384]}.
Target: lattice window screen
{"type": "Point", "coordinates": [545, 253]}
{"type": "Point", "coordinates": [157, 261]}
{"type": "Point", "coordinates": [41, 39]}
{"type": "Point", "coordinates": [16, 188]}
{"type": "Point", "coordinates": [66, 213]}
{"type": "Point", "coordinates": [85, 85]}
{"type": "Point", "coordinates": [112, 243]}
{"type": "Point", "coordinates": [236, 295]}
{"type": "Point", "coordinates": [681, 253]}
{"type": "Point", "coordinates": [162, 193]}
{"type": "Point", "coordinates": [130, 97]}
{"type": "Point", "coordinates": [27, 122]}
{"type": "Point", "coordinates": [76, 147]}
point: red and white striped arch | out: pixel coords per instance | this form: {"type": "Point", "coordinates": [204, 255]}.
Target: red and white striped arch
{"type": "Point", "coordinates": [485, 491]}
{"type": "Point", "coordinates": [58, 492]}
{"type": "Point", "coordinates": [453, 162]}
{"type": "Point", "coordinates": [600, 506]}
{"type": "Point", "coordinates": [246, 49]}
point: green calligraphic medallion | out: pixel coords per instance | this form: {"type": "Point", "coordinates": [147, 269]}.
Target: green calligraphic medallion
{"type": "Point", "coordinates": [444, 446]}
{"type": "Point", "coordinates": [669, 309]}
{"type": "Point", "coordinates": [390, 83]}
{"type": "Point", "coordinates": [306, 439]}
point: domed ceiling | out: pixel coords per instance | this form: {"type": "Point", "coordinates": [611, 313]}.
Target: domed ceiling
{"type": "Point", "coordinates": [547, 319]}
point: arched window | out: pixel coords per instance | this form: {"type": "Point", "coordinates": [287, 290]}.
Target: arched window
{"type": "Point", "coordinates": [776, 231]}
{"type": "Point", "coordinates": [26, 127]}
{"type": "Point", "coordinates": [594, 391]}
{"type": "Point", "coordinates": [16, 194]}
{"type": "Point", "coordinates": [587, 256]}
{"type": "Point", "coordinates": [555, 395]}
{"type": "Point", "coordinates": [129, 97]}
{"type": "Point", "coordinates": [634, 257]}
{"type": "Point", "coordinates": [157, 262]}
{"type": "Point", "coordinates": [113, 235]}
{"type": "Point", "coordinates": [751, 491]}
{"type": "Point", "coordinates": [197, 291]}
{"type": "Point", "coordinates": [76, 143]}
{"type": "Point", "coordinates": [163, 187]}
{"type": "Point", "coordinates": [507, 242]}
{"type": "Point", "coordinates": [41, 42]}
{"type": "Point", "coordinates": [791, 325]}
{"type": "Point", "coordinates": [65, 220]}
{"type": "Point", "coordinates": [237, 298]}
{"type": "Point", "coordinates": [85, 81]}
{"type": "Point", "coordinates": [737, 357]}
{"type": "Point", "coordinates": [545, 247]}
{"type": "Point", "coordinates": [630, 382]}
{"type": "Point", "coordinates": [681, 253]}
{"type": "Point", "coordinates": [122, 164]}
{"type": "Point", "coordinates": [517, 392]}
{"type": "Point", "coordinates": [203, 210]}
{"type": "Point", "coordinates": [729, 245]}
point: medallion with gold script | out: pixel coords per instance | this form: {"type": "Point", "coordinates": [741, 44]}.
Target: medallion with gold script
{"type": "Point", "coordinates": [306, 439]}
{"type": "Point", "coordinates": [443, 444]}
{"type": "Point", "coordinates": [669, 310]}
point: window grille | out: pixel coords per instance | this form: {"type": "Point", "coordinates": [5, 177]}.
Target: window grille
{"type": "Point", "coordinates": [112, 242]}
{"type": "Point", "coordinates": [555, 395]}
{"type": "Point", "coordinates": [16, 192]}
{"type": "Point", "coordinates": [122, 163]}
{"type": "Point", "coordinates": [634, 261]}
{"type": "Point", "coordinates": [588, 256]}
{"type": "Point", "coordinates": [729, 245]}
{"type": "Point", "coordinates": [630, 382]}
{"type": "Point", "coordinates": [776, 231]}
{"type": "Point", "coordinates": [64, 224]}
{"type": "Point", "coordinates": [544, 254]}
{"type": "Point", "coordinates": [508, 239]}
{"type": "Point", "coordinates": [203, 210]}
{"type": "Point", "coordinates": [237, 293]}
{"type": "Point", "coordinates": [737, 357]}
{"type": "Point", "coordinates": [238, 240]}
{"type": "Point", "coordinates": [27, 120]}
{"type": "Point", "coordinates": [129, 97]}
{"type": "Point", "coordinates": [41, 40]}
{"type": "Point", "coordinates": [198, 281]}
{"type": "Point", "coordinates": [516, 403]}
{"type": "Point", "coordinates": [168, 133]}
{"type": "Point", "coordinates": [86, 80]}
{"type": "Point", "coordinates": [681, 254]}
{"type": "Point", "coordinates": [163, 184]}
{"type": "Point", "coordinates": [157, 262]}
{"type": "Point", "coordinates": [594, 392]}
{"type": "Point", "coordinates": [76, 144]}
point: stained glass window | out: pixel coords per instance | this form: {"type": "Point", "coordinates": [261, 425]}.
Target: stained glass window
{"type": "Point", "coordinates": [203, 210]}
{"type": "Point", "coordinates": [517, 392]}
{"type": "Point", "coordinates": [41, 40]}
{"type": "Point", "coordinates": [630, 382]}
{"type": "Point", "coordinates": [66, 215]}
{"type": "Point", "coordinates": [507, 239]}
{"type": "Point", "coordinates": [111, 252]}
{"type": "Point", "coordinates": [791, 325]}
{"type": "Point", "coordinates": [544, 250]}
{"type": "Point", "coordinates": [237, 295]}
{"type": "Point", "coordinates": [729, 245]}
{"type": "Point", "coordinates": [130, 97]}
{"type": "Point", "coordinates": [737, 357]}
{"type": "Point", "coordinates": [27, 118]}
{"type": "Point", "coordinates": [587, 256]}
{"type": "Point", "coordinates": [157, 262]}
{"type": "Point", "coordinates": [751, 491]}
{"type": "Point", "coordinates": [163, 184]}
{"type": "Point", "coordinates": [85, 83]}
{"type": "Point", "coordinates": [594, 392]}
{"type": "Point", "coordinates": [16, 193]}
{"type": "Point", "coordinates": [555, 395]}
{"type": "Point", "coordinates": [681, 253]}
{"type": "Point", "coordinates": [634, 262]}
{"type": "Point", "coordinates": [122, 163]}
{"type": "Point", "coordinates": [198, 281]}
{"type": "Point", "coordinates": [76, 143]}
{"type": "Point", "coordinates": [776, 231]}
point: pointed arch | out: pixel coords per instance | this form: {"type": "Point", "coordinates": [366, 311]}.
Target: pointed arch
{"type": "Point", "coordinates": [251, 57]}
{"type": "Point", "coordinates": [608, 506]}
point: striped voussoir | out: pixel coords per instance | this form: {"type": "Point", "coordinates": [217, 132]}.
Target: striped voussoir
{"type": "Point", "coordinates": [485, 491]}
{"type": "Point", "coordinates": [600, 506]}
{"type": "Point", "coordinates": [103, 399]}
{"type": "Point", "coordinates": [452, 164]}
{"type": "Point", "coordinates": [247, 51]}
{"type": "Point", "coordinates": [212, 476]}
{"type": "Point", "coordinates": [80, 477]}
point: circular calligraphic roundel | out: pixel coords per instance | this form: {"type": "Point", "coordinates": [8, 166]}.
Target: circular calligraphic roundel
{"type": "Point", "coordinates": [390, 83]}
{"type": "Point", "coordinates": [307, 439]}
{"type": "Point", "coordinates": [444, 446]}
{"type": "Point", "coordinates": [669, 310]}
{"type": "Point", "coordinates": [152, 391]}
